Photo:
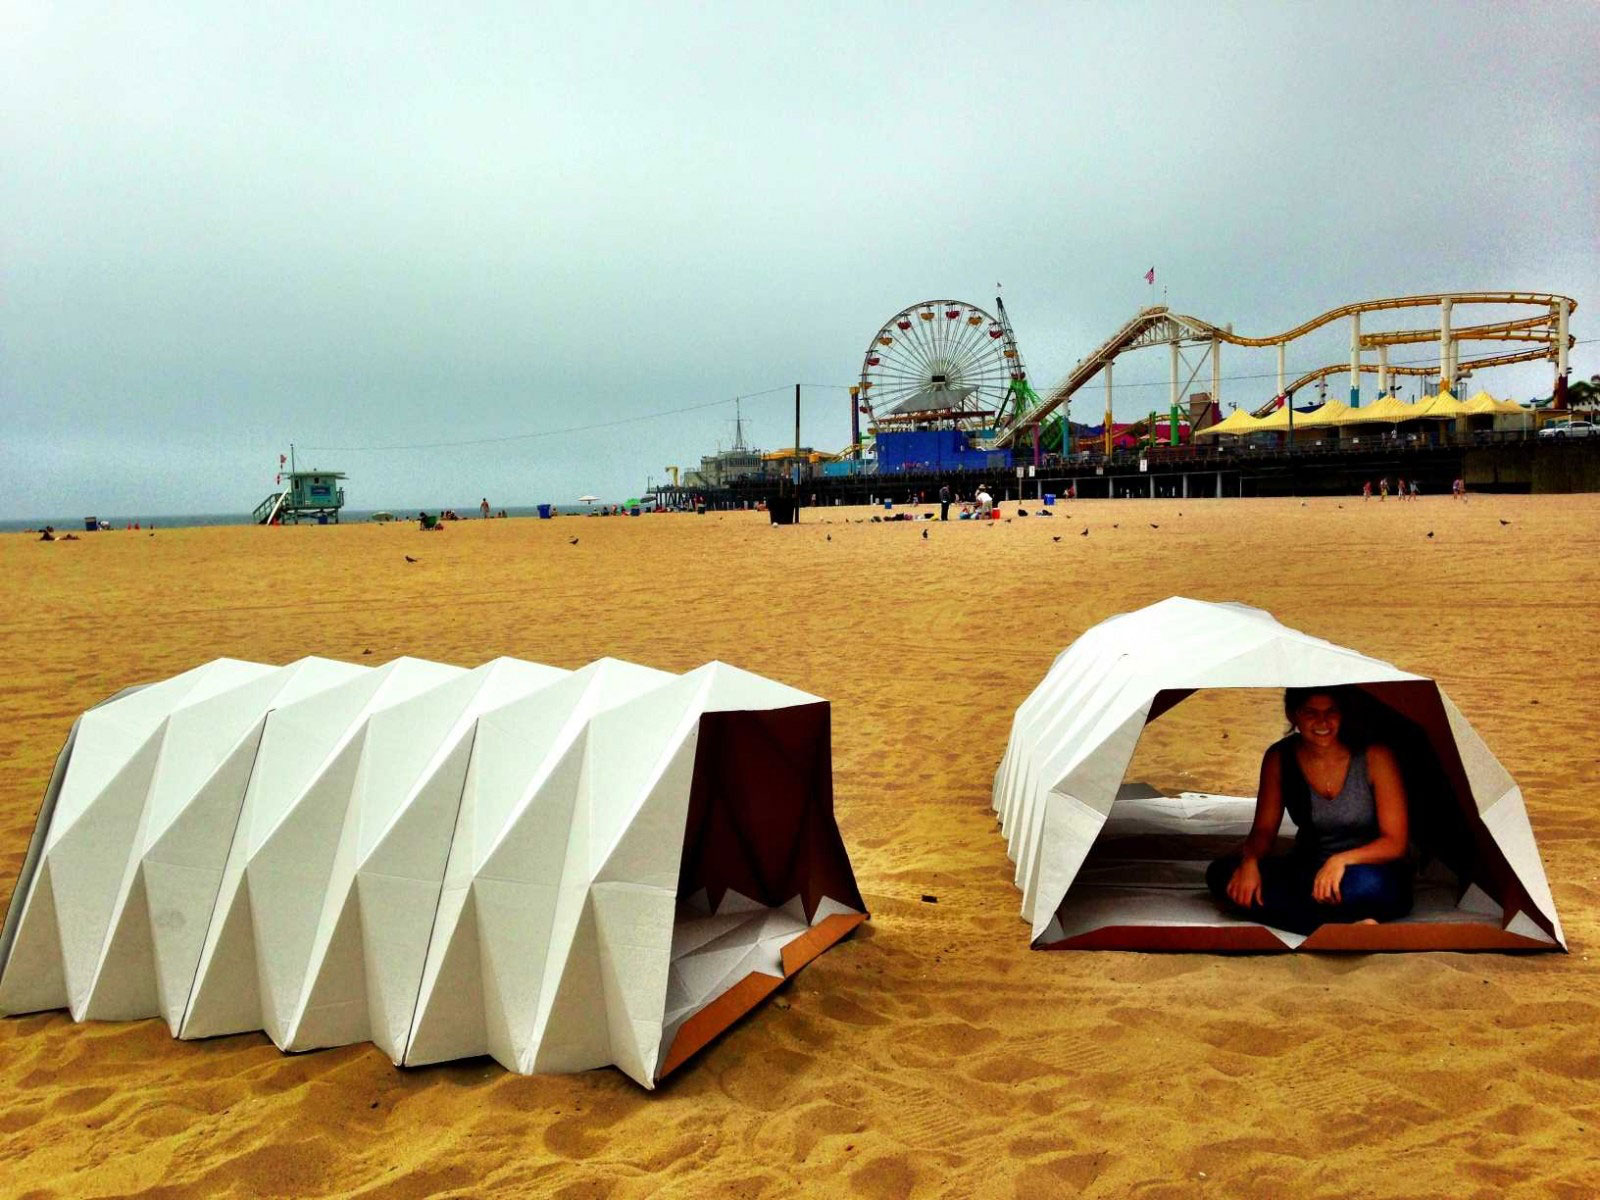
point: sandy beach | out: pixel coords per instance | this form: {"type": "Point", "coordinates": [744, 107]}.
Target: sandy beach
{"type": "Point", "coordinates": [932, 1052]}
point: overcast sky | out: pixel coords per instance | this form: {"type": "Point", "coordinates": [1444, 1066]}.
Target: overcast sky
{"type": "Point", "coordinates": [376, 226]}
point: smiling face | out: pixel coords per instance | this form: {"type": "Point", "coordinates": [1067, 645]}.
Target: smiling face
{"type": "Point", "coordinates": [1317, 719]}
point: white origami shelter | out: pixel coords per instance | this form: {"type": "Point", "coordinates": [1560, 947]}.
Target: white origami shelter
{"type": "Point", "coordinates": [1104, 864]}
{"type": "Point", "coordinates": [560, 869]}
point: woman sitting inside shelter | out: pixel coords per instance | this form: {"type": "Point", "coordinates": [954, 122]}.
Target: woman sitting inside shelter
{"type": "Point", "coordinates": [1348, 802]}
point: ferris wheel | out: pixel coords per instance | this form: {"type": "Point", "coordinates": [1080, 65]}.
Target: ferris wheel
{"type": "Point", "coordinates": [941, 362]}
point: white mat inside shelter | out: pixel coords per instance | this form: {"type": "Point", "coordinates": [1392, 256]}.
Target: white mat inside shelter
{"type": "Point", "coordinates": [1148, 867]}
{"type": "Point", "coordinates": [711, 952]}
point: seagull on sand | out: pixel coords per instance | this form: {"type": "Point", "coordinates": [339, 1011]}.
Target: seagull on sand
{"type": "Point", "coordinates": [410, 559]}
{"type": "Point", "coordinates": [573, 542]}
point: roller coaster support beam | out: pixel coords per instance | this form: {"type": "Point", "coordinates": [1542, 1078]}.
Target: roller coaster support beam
{"type": "Point", "coordinates": [1445, 376]}
{"type": "Point", "coordinates": [1280, 368]}
{"type": "Point", "coordinates": [1383, 371]}
{"type": "Point", "coordinates": [1561, 337]}
{"type": "Point", "coordinates": [1216, 370]}
{"type": "Point", "coordinates": [1355, 360]}
{"type": "Point", "coordinates": [1107, 430]}
{"type": "Point", "coordinates": [1175, 375]}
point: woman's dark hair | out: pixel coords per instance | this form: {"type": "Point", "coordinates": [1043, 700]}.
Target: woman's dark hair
{"type": "Point", "coordinates": [1355, 713]}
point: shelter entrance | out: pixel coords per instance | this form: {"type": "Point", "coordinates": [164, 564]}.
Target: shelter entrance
{"type": "Point", "coordinates": [1188, 798]}
{"type": "Point", "coordinates": [765, 884]}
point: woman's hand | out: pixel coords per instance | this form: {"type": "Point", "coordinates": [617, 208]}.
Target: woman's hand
{"type": "Point", "coordinates": [1325, 887]}
{"type": "Point", "coordinates": [1244, 889]}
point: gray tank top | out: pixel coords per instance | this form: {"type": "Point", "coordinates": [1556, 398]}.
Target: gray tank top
{"type": "Point", "coordinates": [1329, 824]}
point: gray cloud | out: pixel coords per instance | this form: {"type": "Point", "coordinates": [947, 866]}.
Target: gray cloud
{"type": "Point", "coordinates": [224, 233]}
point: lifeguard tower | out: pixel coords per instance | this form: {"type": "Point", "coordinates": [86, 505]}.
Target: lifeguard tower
{"type": "Point", "coordinates": [311, 496]}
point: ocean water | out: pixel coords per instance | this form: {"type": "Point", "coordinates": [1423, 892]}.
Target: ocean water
{"type": "Point", "coordinates": [350, 516]}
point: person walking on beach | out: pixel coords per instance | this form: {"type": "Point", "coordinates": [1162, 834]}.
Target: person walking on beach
{"type": "Point", "coordinates": [1415, 490]}
{"type": "Point", "coordinates": [944, 502]}
{"type": "Point", "coordinates": [1383, 489]}
{"type": "Point", "coordinates": [1400, 487]}
{"type": "Point", "coordinates": [483, 507]}
{"type": "Point", "coordinates": [1366, 489]}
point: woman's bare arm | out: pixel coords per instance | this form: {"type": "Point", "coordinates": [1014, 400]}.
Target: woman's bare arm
{"type": "Point", "coordinates": [1244, 888]}
{"type": "Point", "coordinates": [1269, 808]}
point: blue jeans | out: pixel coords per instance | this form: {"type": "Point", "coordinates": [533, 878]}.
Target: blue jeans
{"type": "Point", "coordinates": [1380, 891]}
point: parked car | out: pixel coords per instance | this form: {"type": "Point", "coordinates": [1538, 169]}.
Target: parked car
{"type": "Point", "coordinates": [1567, 429]}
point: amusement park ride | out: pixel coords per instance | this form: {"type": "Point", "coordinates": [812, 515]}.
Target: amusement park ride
{"type": "Point", "coordinates": [952, 364]}
{"type": "Point", "coordinates": [941, 362]}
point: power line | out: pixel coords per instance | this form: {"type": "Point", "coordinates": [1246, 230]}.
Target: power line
{"type": "Point", "coordinates": [572, 429]}
{"type": "Point", "coordinates": [772, 391]}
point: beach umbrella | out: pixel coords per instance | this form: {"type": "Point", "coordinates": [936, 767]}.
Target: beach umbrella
{"type": "Point", "coordinates": [588, 499]}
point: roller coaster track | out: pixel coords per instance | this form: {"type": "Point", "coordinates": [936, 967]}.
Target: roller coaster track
{"type": "Point", "coordinates": [1158, 325]}
{"type": "Point", "coordinates": [1432, 369]}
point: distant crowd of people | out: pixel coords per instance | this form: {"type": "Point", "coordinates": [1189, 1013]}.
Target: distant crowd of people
{"type": "Point", "coordinates": [980, 505]}
{"type": "Point", "coordinates": [427, 520]}
{"type": "Point", "coordinates": [1408, 489]}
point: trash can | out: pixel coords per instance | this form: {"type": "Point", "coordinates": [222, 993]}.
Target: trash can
{"type": "Point", "coordinates": [91, 524]}
{"type": "Point", "coordinates": [783, 511]}
{"type": "Point", "coordinates": [1049, 499]}
{"type": "Point", "coordinates": [888, 504]}
{"type": "Point", "coordinates": [322, 518]}
{"type": "Point", "coordinates": [544, 512]}
{"type": "Point", "coordinates": [633, 512]}
{"type": "Point", "coordinates": [700, 509]}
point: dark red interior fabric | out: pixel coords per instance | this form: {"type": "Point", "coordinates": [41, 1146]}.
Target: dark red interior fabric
{"type": "Point", "coordinates": [761, 811]}
{"type": "Point", "coordinates": [1411, 720]}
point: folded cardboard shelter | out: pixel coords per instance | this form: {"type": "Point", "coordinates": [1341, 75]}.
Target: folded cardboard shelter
{"type": "Point", "coordinates": [1105, 864]}
{"type": "Point", "coordinates": [561, 869]}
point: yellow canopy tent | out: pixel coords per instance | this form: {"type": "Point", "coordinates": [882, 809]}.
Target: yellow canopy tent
{"type": "Point", "coordinates": [1234, 424]}
{"type": "Point", "coordinates": [1387, 409]}
{"type": "Point", "coordinates": [1330, 414]}
{"type": "Point", "coordinates": [1276, 421]}
{"type": "Point", "coordinates": [1485, 405]}
{"type": "Point", "coordinates": [1443, 407]}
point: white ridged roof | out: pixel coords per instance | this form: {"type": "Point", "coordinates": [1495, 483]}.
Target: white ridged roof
{"type": "Point", "coordinates": [1074, 736]}
{"type": "Point", "coordinates": [444, 862]}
